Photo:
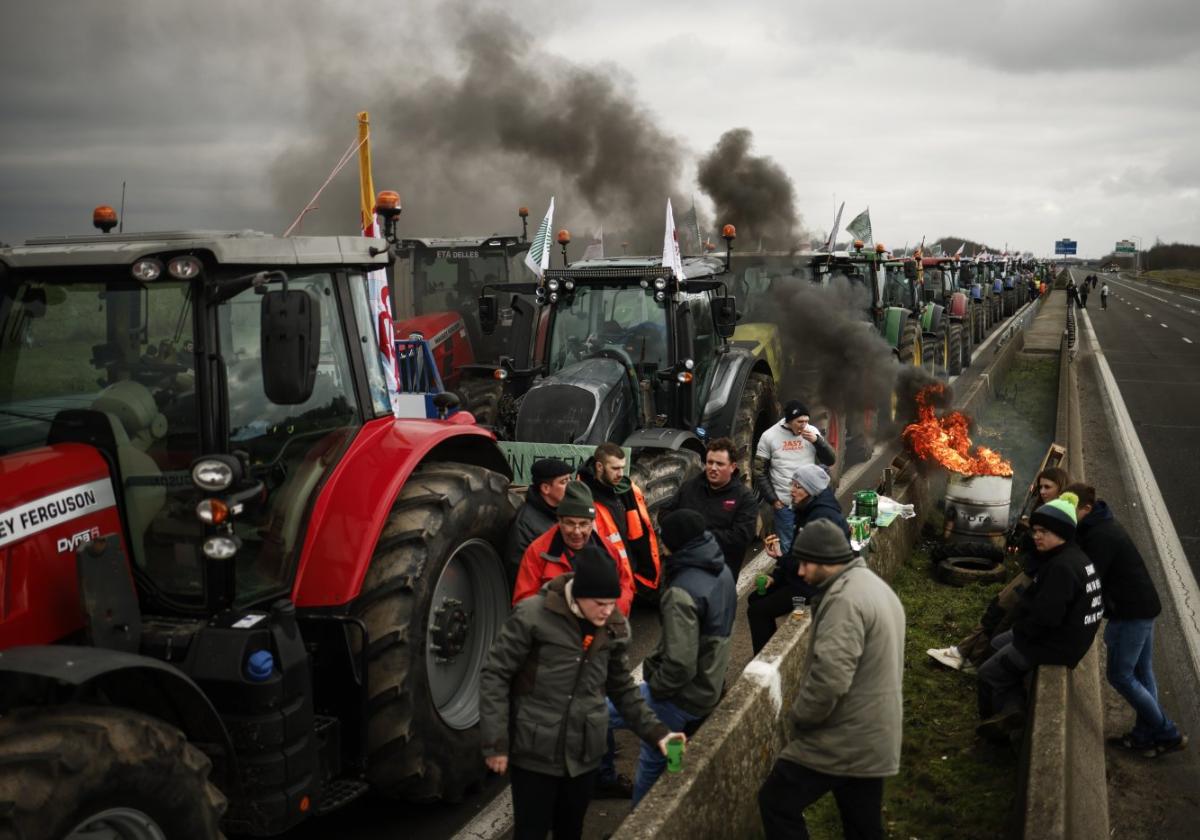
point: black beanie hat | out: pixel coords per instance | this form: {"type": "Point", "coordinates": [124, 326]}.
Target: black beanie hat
{"type": "Point", "coordinates": [680, 527]}
{"type": "Point", "coordinates": [577, 501]}
{"type": "Point", "coordinates": [548, 469]}
{"type": "Point", "coordinates": [793, 409]}
{"type": "Point", "coordinates": [595, 574]}
{"type": "Point", "coordinates": [1058, 516]}
{"type": "Point", "coordinates": [822, 542]}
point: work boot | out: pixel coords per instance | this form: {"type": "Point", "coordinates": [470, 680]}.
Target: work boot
{"type": "Point", "coordinates": [999, 728]}
{"type": "Point", "coordinates": [619, 786]}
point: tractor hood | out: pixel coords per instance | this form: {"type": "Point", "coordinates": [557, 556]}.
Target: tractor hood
{"type": "Point", "coordinates": [588, 402]}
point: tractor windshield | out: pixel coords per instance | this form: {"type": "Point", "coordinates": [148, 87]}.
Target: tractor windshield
{"type": "Point", "coordinates": [626, 320]}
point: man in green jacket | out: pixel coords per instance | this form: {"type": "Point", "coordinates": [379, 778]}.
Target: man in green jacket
{"type": "Point", "coordinates": [541, 696]}
{"type": "Point", "coordinates": [846, 721]}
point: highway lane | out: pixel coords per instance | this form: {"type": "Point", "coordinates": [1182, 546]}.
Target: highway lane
{"type": "Point", "coordinates": [1151, 338]}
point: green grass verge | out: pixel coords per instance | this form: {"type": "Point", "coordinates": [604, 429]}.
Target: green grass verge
{"type": "Point", "coordinates": [1176, 276]}
{"type": "Point", "coordinates": [951, 783]}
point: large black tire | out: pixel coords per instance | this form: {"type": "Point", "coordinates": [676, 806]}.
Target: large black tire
{"type": "Point", "coordinates": [963, 571]}
{"type": "Point", "coordinates": [978, 549]}
{"type": "Point", "coordinates": [757, 410]}
{"type": "Point", "coordinates": [63, 766]}
{"type": "Point", "coordinates": [909, 350]}
{"type": "Point", "coordinates": [955, 365]}
{"type": "Point", "coordinates": [978, 323]}
{"type": "Point", "coordinates": [481, 397]}
{"type": "Point", "coordinates": [423, 747]}
{"type": "Point", "coordinates": [659, 473]}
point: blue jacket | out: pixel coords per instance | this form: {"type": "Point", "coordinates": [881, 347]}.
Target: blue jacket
{"type": "Point", "coordinates": [824, 505]}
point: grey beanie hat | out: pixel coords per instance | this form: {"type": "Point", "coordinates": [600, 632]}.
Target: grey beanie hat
{"type": "Point", "coordinates": [823, 542]}
{"type": "Point", "coordinates": [812, 478]}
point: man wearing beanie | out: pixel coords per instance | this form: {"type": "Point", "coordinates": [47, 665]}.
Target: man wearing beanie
{"type": "Point", "coordinates": [551, 554]}
{"type": "Point", "coordinates": [847, 718]}
{"type": "Point", "coordinates": [782, 449]}
{"type": "Point", "coordinates": [537, 514]}
{"type": "Point", "coordinates": [812, 499]}
{"type": "Point", "coordinates": [720, 495]}
{"type": "Point", "coordinates": [685, 673]}
{"type": "Point", "coordinates": [1056, 619]}
{"type": "Point", "coordinates": [542, 696]}
{"type": "Point", "coordinates": [622, 513]}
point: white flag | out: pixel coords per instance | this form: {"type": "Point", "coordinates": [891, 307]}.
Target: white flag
{"type": "Point", "coordinates": [958, 253]}
{"type": "Point", "coordinates": [671, 258]}
{"type": "Point", "coordinates": [537, 258]}
{"type": "Point", "coordinates": [833, 231]}
{"type": "Point", "coordinates": [595, 251]}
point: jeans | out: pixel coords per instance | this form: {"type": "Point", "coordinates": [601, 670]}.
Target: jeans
{"type": "Point", "coordinates": [651, 762]}
{"type": "Point", "coordinates": [543, 804]}
{"type": "Point", "coordinates": [791, 787]}
{"type": "Point", "coordinates": [763, 610]}
{"type": "Point", "coordinates": [1002, 678]}
{"type": "Point", "coordinates": [785, 528]}
{"type": "Point", "coordinates": [1131, 672]}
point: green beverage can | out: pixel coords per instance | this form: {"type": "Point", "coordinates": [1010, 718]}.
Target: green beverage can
{"type": "Point", "coordinates": [860, 528]}
{"type": "Point", "coordinates": [760, 584]}
{"type": "Point", "coordinates": [866, 503]}
{"type": "Point", "coordinates": [674, 755]}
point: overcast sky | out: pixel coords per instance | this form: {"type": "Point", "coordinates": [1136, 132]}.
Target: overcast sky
{"type": "Point", "coordinates": [1015, 122]}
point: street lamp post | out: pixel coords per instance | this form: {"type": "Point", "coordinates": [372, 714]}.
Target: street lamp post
{"type": "Point", "coordinates": [1137, 258]}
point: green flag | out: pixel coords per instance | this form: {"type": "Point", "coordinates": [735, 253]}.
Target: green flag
{"type": "Point", "coordinates": [860, 227]}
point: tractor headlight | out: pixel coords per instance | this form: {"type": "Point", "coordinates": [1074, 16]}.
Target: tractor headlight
{"type": "Point", "coordinates": [552, 285]}
{"type": "Point", "coordinates": [212, 475]}
{"type": "Point", "coordinates": [660, 283]}
{"type": "Point", "coordinates": [569, 285]}
{"type": "Point", "coordinates": [688, 364]}
{"type": "Point", "coordinates": [146, 269]}
{"type": "Point", "coordinates": [212, 511]}
{"type": "Point", "coordinates": [221, 548]}
{"type": "Point", "coordinates": [184, 268]}
{"type": "Point", "coordinates": [554, 296]}
{"type": "Point", "coordinates": [660, 296]}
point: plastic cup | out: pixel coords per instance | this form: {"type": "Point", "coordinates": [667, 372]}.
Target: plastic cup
{"type": "Point", "coordinates": [760, 584]}
{"type": "Point", "coordinates": [674, 755]}
{"type": "Point", "coordinates": [799, 607]}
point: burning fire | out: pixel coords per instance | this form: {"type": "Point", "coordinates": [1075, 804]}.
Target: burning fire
{"type": "Point", "coordinates": [946, 441]}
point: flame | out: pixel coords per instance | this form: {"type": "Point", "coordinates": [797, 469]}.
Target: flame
{"type": "Point", "coordinates": [946, 440]}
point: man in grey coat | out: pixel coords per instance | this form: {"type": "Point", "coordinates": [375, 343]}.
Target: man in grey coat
{"type": "Point", "coordinates": [846, 721]}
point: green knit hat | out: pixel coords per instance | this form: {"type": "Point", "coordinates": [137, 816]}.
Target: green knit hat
{"type": "Point", "coordinates": [577, 502]}
{"type": "Point", "coordinates": [1057, 516]}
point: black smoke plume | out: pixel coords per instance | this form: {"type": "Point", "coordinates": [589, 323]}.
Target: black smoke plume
{"type": "Point", "coordinates": [751, 192]}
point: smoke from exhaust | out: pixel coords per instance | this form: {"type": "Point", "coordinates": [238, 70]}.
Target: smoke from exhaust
{"type": "Point", "coordinates": [751, 192]}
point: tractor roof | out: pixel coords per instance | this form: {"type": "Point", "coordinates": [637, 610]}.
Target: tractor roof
{"type": "Point", "coordinates": [234, 248]}
{"type": "Point", "coordinates": [496, 240]}
{"type": "Point", "coordinates": [693, 268]}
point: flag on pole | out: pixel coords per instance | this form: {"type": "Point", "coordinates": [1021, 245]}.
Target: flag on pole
{"type": "Point", "coordinates": [377, 286]}
{"type": "Point", "coordinates": [595, 250]}
{"type": "Point", "coordinates": [961, 245]}
{"type": "Point", "coordinates": [537, 258]}
{"type": "Point", "coordinates": [671, 258]}
{"type": "Point", "coordinates": [860, 227]}
{"type": "Point", "coordinates": [691, 226]}
{"type": "Point", "coordinates": [833, 231]}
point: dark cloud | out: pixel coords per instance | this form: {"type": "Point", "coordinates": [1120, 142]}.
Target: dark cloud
{"type": "Point", "coordinates": [751, 192]}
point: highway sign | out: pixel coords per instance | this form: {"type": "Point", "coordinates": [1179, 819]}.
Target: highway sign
{"type": "Point", "coordinates": [1065, 246]}
{"type": "Point", "coordinates": [1126, 246]}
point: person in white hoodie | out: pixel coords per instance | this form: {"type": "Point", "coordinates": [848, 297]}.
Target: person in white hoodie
{"type": "Point", "coordinates": [785, 447]}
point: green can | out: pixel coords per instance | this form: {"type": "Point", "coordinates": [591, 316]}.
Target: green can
{"type": "Point", "coordinates": [674, 756]}
{"type": "Point", "coordinates": [860, 528]}
{"type": "Point", "coordinates": [866, 503]}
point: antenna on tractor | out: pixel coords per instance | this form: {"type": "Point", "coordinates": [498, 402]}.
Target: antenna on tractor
{"type": "Point", "coordinates": [121, 218]}
{"type": "Point", "coordinates": [728, 233]}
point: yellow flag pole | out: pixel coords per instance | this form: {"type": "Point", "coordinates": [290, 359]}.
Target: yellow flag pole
{"type": "Point", "coordinates": [366, 185]}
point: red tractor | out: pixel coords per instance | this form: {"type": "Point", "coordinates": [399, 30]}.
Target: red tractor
{"type": "Point", "coordinates": [235, 589]}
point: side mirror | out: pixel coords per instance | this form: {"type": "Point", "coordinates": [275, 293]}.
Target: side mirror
{"type": "Point", "coordinates": [488, 313]}
{"type": "Point", "coordinates": [725, 314]}
{"type": "Point", "coordinates": [291, 342]}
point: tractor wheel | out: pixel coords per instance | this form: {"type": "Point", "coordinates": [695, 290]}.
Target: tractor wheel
{"type": "Point", "coordinates": [78, 772]}
{"type": "Point", "coordinates": [660, 473]}
{"type": "Point", "coordinates": [481, 397]}
{"type": "Point", "coordinates": [954, 365]}
{"type": "Point", "coordinates": [910, 345]}
{"type": "Point", "coordinates": [757, 410]}
{"type": "Point", "coordinates": [434, 598]}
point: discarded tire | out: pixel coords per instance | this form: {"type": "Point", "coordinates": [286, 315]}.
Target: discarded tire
{"type": "Point", "coordinates": [961, 571]}
{"type": "Point", "coordinates": [978, 549]}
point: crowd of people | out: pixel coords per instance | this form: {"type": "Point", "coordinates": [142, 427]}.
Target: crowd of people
{"type": "Point", "coordinates": [557, 683]}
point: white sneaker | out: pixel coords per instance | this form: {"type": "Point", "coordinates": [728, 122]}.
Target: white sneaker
{"type": "Point", "coordinates": [950, 657]}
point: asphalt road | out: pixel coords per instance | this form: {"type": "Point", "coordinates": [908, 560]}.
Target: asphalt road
{"type": "Point", "coordinates": [1151, 338]}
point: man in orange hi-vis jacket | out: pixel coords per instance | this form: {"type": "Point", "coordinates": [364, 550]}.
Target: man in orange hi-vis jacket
{"type": "Point", "coordinates": [550, 555]}
{"type": "Point", "coordinates": [621, 513]}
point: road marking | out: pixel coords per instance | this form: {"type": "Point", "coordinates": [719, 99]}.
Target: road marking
{"type": "Point", "coordinates": [1188, 340]}
{"type": "Point", "coordinates": [1180, 581]}
{"type": "Point", "coordinates": [1189, 297]}
{"type": "Point", "coordinates": [1147, 294]}
{"type": "Point", "coordinates": [1147, 314]}
{"type": "Point", "coordinates": [1161, 324]}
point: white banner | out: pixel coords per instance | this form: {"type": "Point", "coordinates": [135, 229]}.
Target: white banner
{"type": "Point", "coordinates": [47, 512]}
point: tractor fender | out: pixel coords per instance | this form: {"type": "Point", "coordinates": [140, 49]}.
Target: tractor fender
{"type": "Point", "coordinates": [30, 674]}
{"type": "Point", "coordinates": [958, 306]}
{"type": "Point", "coordinates": [729, 380]}
{"type": "Point", "coordinates": [664, 439]}
{"type": "Point", "coordinates": [352, 506]}
{"type": "Point", "coordinates": [895, 319]}
{"type": "Point", "coordinates": [931, 318]}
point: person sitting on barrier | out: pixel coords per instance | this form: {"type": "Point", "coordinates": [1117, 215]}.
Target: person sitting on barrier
{"type": "Point", "coordinates": [976, 647]}
{"type": "Point", "coordinates": [846, 721]}
{"type": "Point", "coordinates": [537, 514]}
{"type": "Point", "coordinates": [812, 499]}
{"type": "Point", "coordinates": [541, 696]}
{"type": "Point", "coordinates": [1130, 604]}
{"type": "Point", "coordinates": [1056, 620]}
{"type": "Point", "coordinates": [726, 503]}
{"type": "Point", "coordinates": [553, 553]}
{"type": "Point", "coordinates": [685, 673]}
{"type": "Point", "coordinates": [791, 443]}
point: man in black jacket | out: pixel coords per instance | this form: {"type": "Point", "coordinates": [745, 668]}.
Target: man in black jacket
{"type": "Point", "coordinates": [1131, 604]}
{"type": "Point", "coordinates": [1057, 619]}
{"type": "Point", "coordinates": [536, 516]}
{"type": "Point", "coordinates": [728, 506]}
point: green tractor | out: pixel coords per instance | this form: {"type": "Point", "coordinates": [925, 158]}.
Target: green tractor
{"type": "Point", "coordinates": [942, 286]}
{"type": "Point", "coordinates": [625, 351]}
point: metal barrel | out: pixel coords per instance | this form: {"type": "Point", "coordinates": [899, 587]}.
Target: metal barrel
{"type": "Point", "coordinates": [977, 507]}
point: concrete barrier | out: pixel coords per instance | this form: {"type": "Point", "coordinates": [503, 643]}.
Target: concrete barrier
{"type": "Point", "coordinates": [1064, 785]}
